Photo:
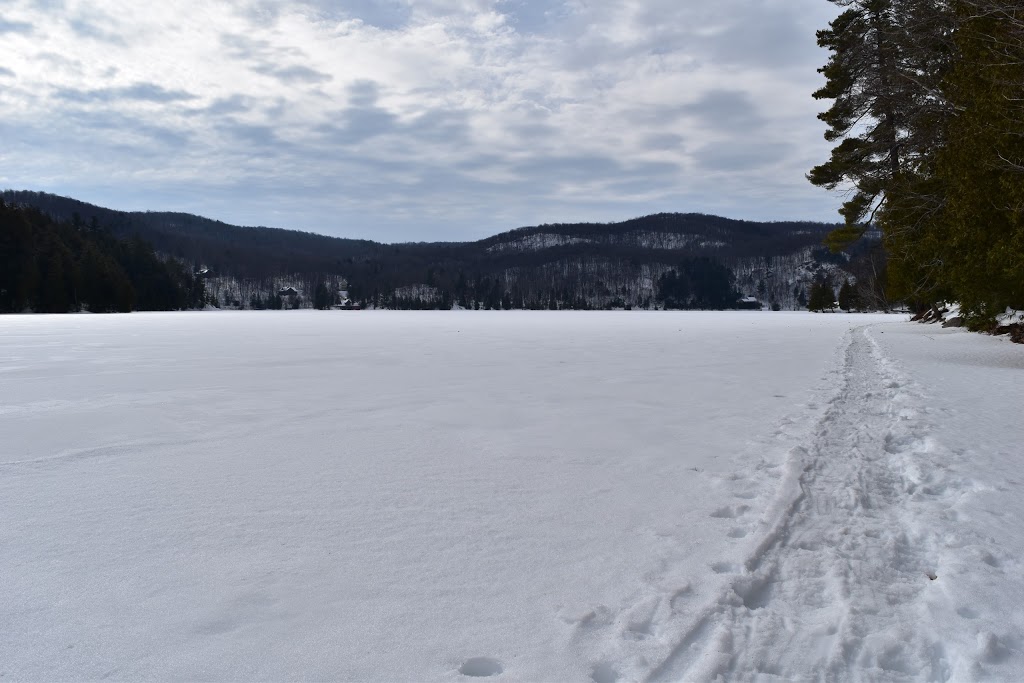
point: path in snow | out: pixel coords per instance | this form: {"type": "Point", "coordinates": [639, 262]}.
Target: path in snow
{"type": "Point", "coordinates": [839, 588]}
{"type": "Point", "coordinates": [840, 581]}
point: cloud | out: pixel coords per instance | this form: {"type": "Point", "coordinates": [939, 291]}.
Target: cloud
{"type": "Point", "coordinates": [382, 14]}
{"type": "Point", "coordinates": [419, 119]}
{"type": "Point", "coordinates": [84, 28]}
{"type": "Point", "coordinates": [293, 74]}
{"type": "Point", "coordinates": [730, 110]}
{"type": "Point", "coordinates": [135, 133]}
{"type": "Point", "coordinates": [257, 136]}
{"type": "Point", "coordinates": [743, 157]}
{"type": "Point", "coordinates": [663, 141]}
{"type": "Point", "coordinates": [139, 92]}
{"type": "Point", "coordinates": [7, 26]}
{"type": "Point", "coordinates": [232, 104]}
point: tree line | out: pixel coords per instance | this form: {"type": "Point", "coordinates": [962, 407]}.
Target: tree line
{"type": "Point", "coordinates": [50, 266]}
{"type": "Point", "coordinates": [590, 265]}
{"type": "Point", "coordinates": [928, 116]}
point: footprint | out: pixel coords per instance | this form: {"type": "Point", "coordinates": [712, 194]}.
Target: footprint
{"type": "Point", "coordinates": [756, 595]}
{"type": "Point", "coordinates": [968, 613]}
{"type": "Point", "coordinates": [586, 617]}
{"type": "Point", "coordinates": [729, 512]}
{"type": "Point", "coordinates": [991, 648]}
{"type": "Point", "coordinates": [724, 568]}
{"type": "Point", "coordinates": [989, 559]}
{"type": "Point", "coordinates": [604, 673]}
{"type": "Point", "coordinates": [738, 533]}
{"type": "Point", "coordinates": [640, 623]}
{"type": "Point", "coordinates": [810, 545]}
{"type": "Point", "coordinates": [678, 596]}
{"type": "Point", "coordinates": [481, 667]}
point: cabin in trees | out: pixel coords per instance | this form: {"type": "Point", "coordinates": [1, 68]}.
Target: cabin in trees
{"type": "Point", "coordinates": [344, 303]}
{"type": "Point", "coordinates": [750, 303]}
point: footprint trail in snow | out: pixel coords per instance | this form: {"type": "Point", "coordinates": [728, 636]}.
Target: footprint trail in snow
{"type": "Point", "coordinates": [836, 582]}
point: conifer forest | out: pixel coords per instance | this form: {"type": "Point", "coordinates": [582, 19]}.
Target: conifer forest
{"type": "Point", "coordinates": [927, 110]}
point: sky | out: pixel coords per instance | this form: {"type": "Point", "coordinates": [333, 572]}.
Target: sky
{"type": "Point", "coordinates": [410, 120]}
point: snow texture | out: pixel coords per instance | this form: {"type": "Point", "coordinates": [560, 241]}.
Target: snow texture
{"type": "Point", "coordinates": [536, 242]}
{"type": "Point", "coordinates": [637, 238]}
{"type": "Point", "coordinates": [519, 496]}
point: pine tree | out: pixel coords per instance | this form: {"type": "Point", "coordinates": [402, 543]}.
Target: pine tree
{"type": "Point", "coordinates": [848, 299]}
{"type": "Point", "coordinates": [18, 273]}
{"type": "Point", "coordinates": [822, 295]}
{"type": "Point", "coordinates": [888, 58]}
{"type": "Point", "coordinates": [981, 240]}
{"type": "Point", "coordinates": [814, 298]}
{"type": "Point", "coordinates": [322, 296]}
{"type": "Point", "coordinates": [53, 295]}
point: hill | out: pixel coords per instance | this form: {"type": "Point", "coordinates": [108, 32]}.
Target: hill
{"type": "Point", "coordinates": [583, 265]}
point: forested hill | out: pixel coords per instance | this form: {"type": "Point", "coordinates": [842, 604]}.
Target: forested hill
{"type": "Point", "coordinates": [242, 252]}
{"type": "Point", "coordinates": [561, 265]}
{"type": "Point", "coordinates": [52, 266]}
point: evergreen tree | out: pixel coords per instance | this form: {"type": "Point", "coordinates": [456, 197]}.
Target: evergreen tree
{"type": "Point", "coordinates": [323, 298]}
{"type": "Point", "coordinates": [980, 241]}
{"type": "Point", "coordinates": [18, 273]}
{"type": "Point", "coordinates": [888, 59]}
{"type": "Point", "coordinates": [698, 283]}
{"type": "Point", "coordinates": [928, 104]}
{"type": "Point", "coordinates": [848, 299]}
{"type": "Point", "coordinates": [58, 267]}
{"type": "Point", "coordinates": [56, 284]}
{"type": "Point", "coordinates": [822, 296]}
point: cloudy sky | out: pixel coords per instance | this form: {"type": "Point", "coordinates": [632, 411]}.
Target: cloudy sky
{"type": "Point", "coordinates": [416, 119]}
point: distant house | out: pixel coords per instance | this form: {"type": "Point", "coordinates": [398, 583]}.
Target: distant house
{"type": "Point", "coordinates": [751, 303]}
{"type": "Point", "coordinates": [346, 304]}
{"type": "Point", "coordinates": [287, 291]}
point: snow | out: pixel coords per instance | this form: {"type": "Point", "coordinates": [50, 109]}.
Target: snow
{"type": "Point", "coordinates": [521, 496]}
{"type": "Point", "coordinates": [536, 242]}
{"type": "Point", "coordinates": [637, 238]}
{"type": "Point", "coordinates": [649, 239]}
{"type": "Point", "coordinates": [963, 415]}
{"type": "Point", "coordinates": [1010, 317]}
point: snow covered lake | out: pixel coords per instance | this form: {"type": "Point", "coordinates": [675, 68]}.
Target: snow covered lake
{"type": "Point", "coordinates": [533, 496]}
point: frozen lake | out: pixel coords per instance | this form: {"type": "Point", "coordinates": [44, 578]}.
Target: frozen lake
{"type": "Point", "coordinates": [395, 495]}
